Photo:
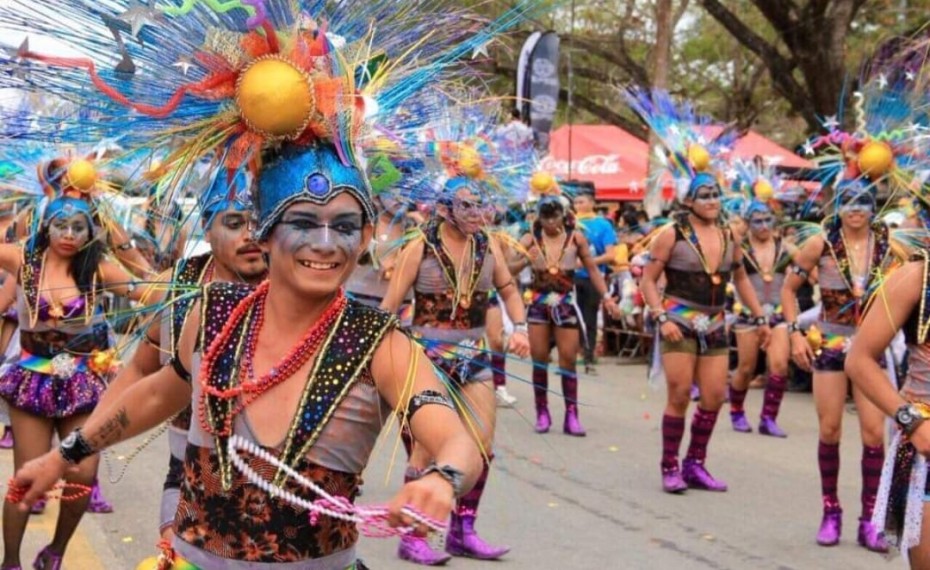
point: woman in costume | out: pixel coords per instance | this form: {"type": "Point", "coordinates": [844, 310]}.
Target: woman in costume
{"type": "Point", "coordinates": [63, 370]}
{"type": "Point", "coordinates": [554, 249]}
{"type": "Point", "coordinates": [766, 258]}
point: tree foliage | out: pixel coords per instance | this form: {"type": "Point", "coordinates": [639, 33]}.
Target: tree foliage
{"type": "Point", "coordinates": [778, 66]}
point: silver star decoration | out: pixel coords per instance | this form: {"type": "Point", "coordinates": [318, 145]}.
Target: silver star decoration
{"type": "Point", "coordinates": [909, 75]}
{"type": "Point", "coordinates": [808, 148]}
{"type": "Point", "coordinates": [731, 174]}
{"type": "Point", "coordinates": [481, 50]}
{"type": "Point", "coordinates": [882, 81]}
{"type": "Point", "coordinates": [138, 17]}
{"type": "Point", "coordinates": [18, 66]}
{"type": "Point", "coordinates": [831, 123]}
{"type": "Point", "coordinates": [183, 63]}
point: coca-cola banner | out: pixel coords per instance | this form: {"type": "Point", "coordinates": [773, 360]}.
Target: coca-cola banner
{"type": "Point", "coordinates": [543, 66]}
{"type": "Point", "coordinates": [594, 164]}
{"type": "Point", "coordinates": [523, 85]}
{"type": "Point", "coordinates": [612, 159]}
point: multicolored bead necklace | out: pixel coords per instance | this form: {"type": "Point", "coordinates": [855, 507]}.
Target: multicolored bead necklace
{"type": "Point", "coordinates": [253, 307]}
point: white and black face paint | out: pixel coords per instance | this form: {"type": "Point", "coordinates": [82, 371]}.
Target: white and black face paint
{"type": "Point", "coordinates": [74, 228]}
{"type": "Point", "coordinates": [322, 232]}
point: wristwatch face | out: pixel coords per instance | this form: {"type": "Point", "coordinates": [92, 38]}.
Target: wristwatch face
{"type": "Point", "coordinates": [904, 417]}
{"type": "Point", "coordinates": [69, 441]}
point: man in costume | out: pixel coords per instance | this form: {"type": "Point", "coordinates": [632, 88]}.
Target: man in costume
{"type": "Point", "coordinates": [226, 218]}
{"type": "Point", "coordinates": [452, 267]}
{"type": "Point", "coordinates": [766, 259]}
{"type": "Point", "coordinates": [847, 255]}
{"type": "Point", "coordinates": [697, 256]}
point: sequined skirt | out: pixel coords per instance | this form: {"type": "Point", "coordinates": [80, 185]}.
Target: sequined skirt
{"type": "Point", "coordinates": [51, 396]}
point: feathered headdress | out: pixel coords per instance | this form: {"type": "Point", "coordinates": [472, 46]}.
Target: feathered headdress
{"type": "Point", "coordinates": [689, 153]}
{"type": "Point", "coordinates": [247, 77]}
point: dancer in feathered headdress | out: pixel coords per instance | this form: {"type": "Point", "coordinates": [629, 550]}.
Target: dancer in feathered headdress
{"type": "Point", "coordinates": [288, 100]}
{"type": "Point", "coordinates": [900, 306]}
{"type": "Point", "coordinates": [850, 250]}
{"type": "Point", "coordinates": [698, 256]}
{"type": "Point", "coordinates": [554, 247]}
{"type": "Point", "coordinates": [67, 353]}
{"type": "Point", "coordinates": [454, 267]}
{"type": "Point", "coordinates": [766, 258]}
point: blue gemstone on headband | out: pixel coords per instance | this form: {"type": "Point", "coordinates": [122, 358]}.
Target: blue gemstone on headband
{"type": "Point", "coordinates": [318, 185]}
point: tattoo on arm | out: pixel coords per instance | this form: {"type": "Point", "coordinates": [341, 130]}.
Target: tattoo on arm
{"type": "Point", "coordinates": [111, 431]}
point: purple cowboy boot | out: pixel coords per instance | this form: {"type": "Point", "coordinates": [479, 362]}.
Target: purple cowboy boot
{"type": "Point", "coordinates": [417, 550]}
{"type": "Point", "coordinates": [464, 541]}
{"type": "Point", "coordinates": [740, 423]}
{"type": "Point", "coordinates": [38, 507]}
{"type": "Point", "coordinates": [97, 504]}
{"type": "Point", "coordinates": [543, 420]}
{"type": "Point", "coordinates": [540, 395]}
{"type": "Point", "coordinates": [6, 442]}
{"type": "Point", "coordinates": [572, 425]}
{"type": "Point", "coordinates": [830, 527]}
{"type": "Point", "coordinates": [774, 392]}
{"type": "Point", "coordinates": [737, 413]}
{"type": "Point", "coordinates": [672, 481]}
{"type": "Point", "coordinates": [47, 560]}
{"type": "Point", "coordinates": [768, 426]}
{"type": "Point", "coordinates": [697, 477]}
{"type": "Point", "coordinates": [871, 538]}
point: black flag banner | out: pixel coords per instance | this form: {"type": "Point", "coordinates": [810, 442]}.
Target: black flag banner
{"type": "Point", "coordinates": [523, 84]}
{"type": "Point", "coordinates": [543, 92]}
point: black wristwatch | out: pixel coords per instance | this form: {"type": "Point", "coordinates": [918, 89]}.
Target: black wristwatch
{"type": "Point", "coordinates": [794, 327]}
{"type": "Point", "coordinates": [455, 477]}
{"type": "Point", "coordinates": [908, 417]}
{"type": "Point", "coordinates": [662, 318]}
{"type": "Point", "coordinates": [74, 448]}
{"type": "Point", "coordinates": [760, 321]}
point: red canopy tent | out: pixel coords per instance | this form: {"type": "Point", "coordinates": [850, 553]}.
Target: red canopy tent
{"type": "Point", "coordinates": [616, 162]}
{"type": "Point", "coordinates": [608, 156]}
{"type": "Point", "coordinates": [753, 144]}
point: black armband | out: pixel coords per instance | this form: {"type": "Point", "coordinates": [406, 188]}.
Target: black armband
{"type": "Point", "coordinates": [426, 398]}
{"type": "Point", "coordinates": [179, 369]}
{"type": "Point", "coordinates": [800, 272]}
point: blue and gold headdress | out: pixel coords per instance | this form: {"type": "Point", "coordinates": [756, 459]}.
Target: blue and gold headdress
{"type": "Point", "coordinates": [274, 81]}
{"type": "Point", "coordinates": [690, 154]}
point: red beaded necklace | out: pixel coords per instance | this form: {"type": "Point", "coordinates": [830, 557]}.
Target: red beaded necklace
{"type": "Point", "coordinates": [293, 361]}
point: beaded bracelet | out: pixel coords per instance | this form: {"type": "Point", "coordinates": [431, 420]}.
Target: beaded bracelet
{"type": "Point", "coordinates": [15, 494]}
{"type": "Point", "coordinates": [372, 520]}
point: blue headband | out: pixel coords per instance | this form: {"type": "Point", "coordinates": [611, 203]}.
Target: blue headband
{"type": "Point", "coordinates": [453, 185]}
{"type": "Point", "coordinates": [701, 180]}
{"type": "Point", "coordinates": [313, 174]}
{"type": "Point", "coordinates": [229, 190]}
{"type": "Point", "coordinates": [67, 206]}
{"type": "Point", "coordinates": [755, 207]}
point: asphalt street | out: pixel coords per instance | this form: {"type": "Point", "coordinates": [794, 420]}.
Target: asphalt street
{"type": "Point", "coordinates": [576, 503]}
